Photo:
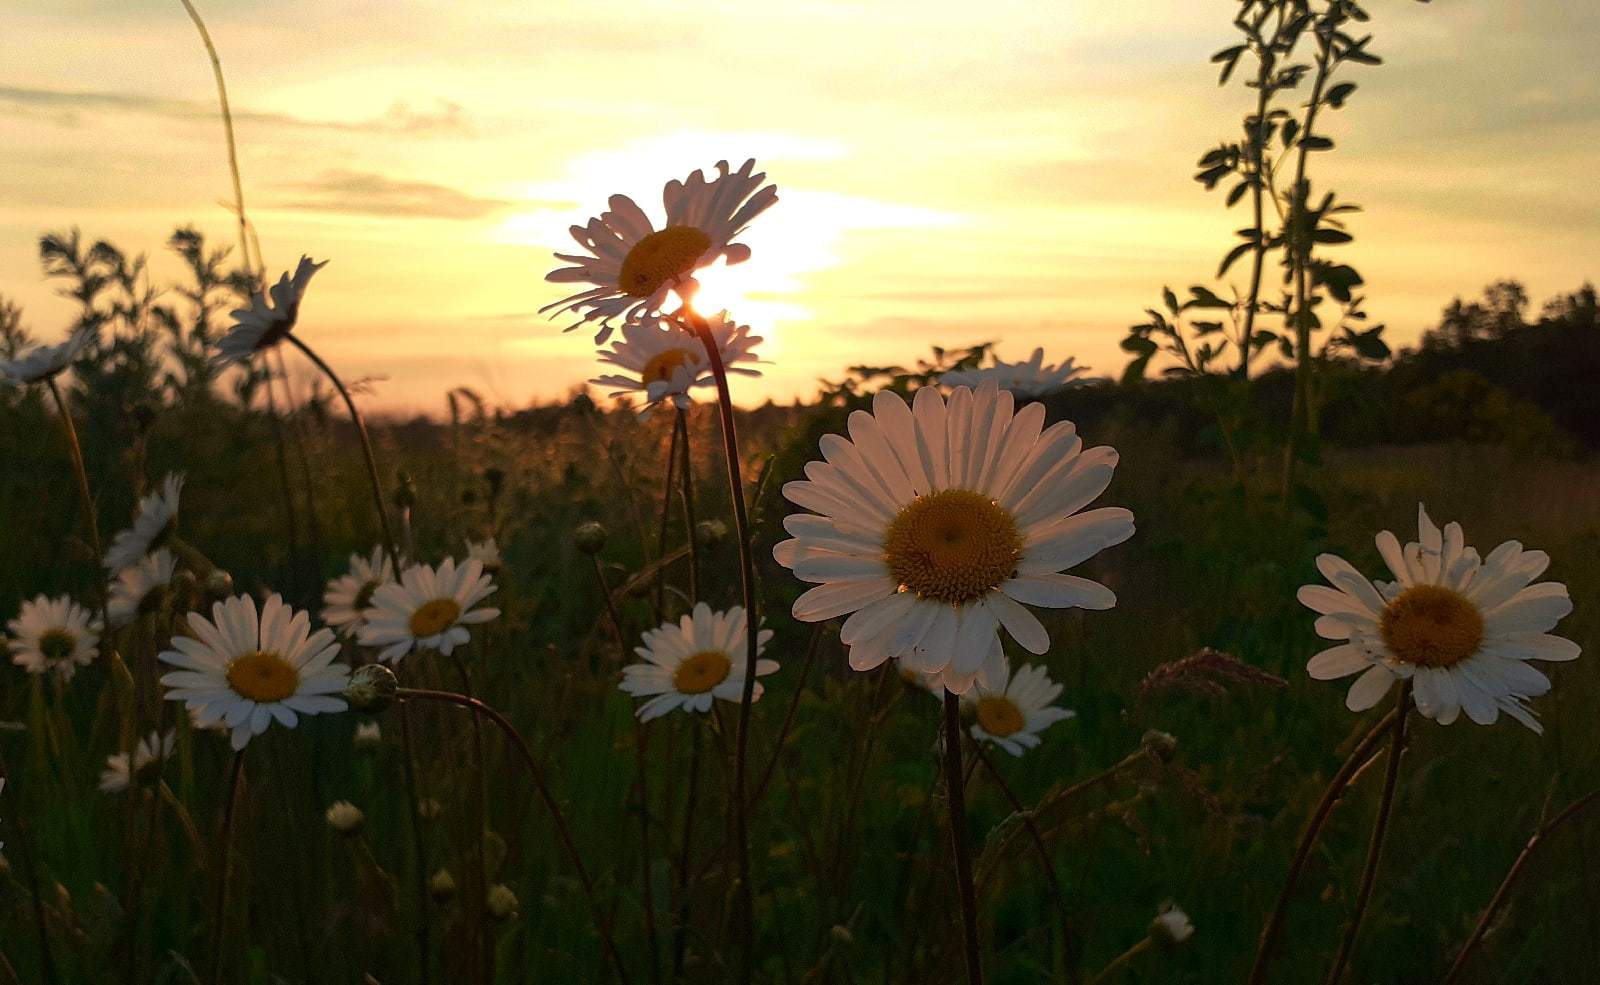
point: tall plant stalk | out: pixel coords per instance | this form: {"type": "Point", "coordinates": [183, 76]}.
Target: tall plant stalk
{"type": "Point", "coordinates": [480, 906]}
{"type": "Point", "coordinates": [956, 795]}
{"type": "Point", "coordinates": [219, 911]}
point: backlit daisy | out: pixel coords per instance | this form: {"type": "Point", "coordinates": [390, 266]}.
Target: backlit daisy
{"type": "Point", "coordinates": [691, 661]}
{"type": "Point", "coordinates": [664, 363]}
{"type": "Point", "coordinates": [52, 636]}
{"type": "Point", "coordinates": [1013, 714]}
{"type": "Point", "coordinates": [151, 526]}
{"type": "Point", "coordinates": [151, 751]}
{"type": "Point", "coordinates": [350, 594]}
{"type": "Point", "coordinates": [933, 525]}
{"type": "Point", "coordinates": [430, 609]}
{"type": "Point", "coordinates": [244, 672]}
{"type": "Point", "coordinates": [139, 586]}
{"type": "Point", "coordinates": [1461, 628]}
{"type": "Point", "coordinates": [44, 362]}
{"type": "Point", "coordinates": [267, 322]}
{"type": "Point", "coordinates": [1031, 379]}
{"type": "Point", "coordinates": [632, 266]}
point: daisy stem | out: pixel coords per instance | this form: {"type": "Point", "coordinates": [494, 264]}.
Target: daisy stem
{"type": "Point", "coordinates": [30, 875]}
{"type": "Point", "coordinates": [788, 716]}
{"type": "Point", "coordinates": [418, 847]}
{"type": "Point", "coordinates": [1353, 765]}
{"type": "Point", "coordinates": [689, 526]}
{"type": "Point", "coordinates": [563, 830]}
{"type": "Point", "coordinates": [641, 735]}
{"type": "Point", "coordinates": [956, 795]}
{"type": "Point", "coordinates": [1571, 811]}
{"type": "Point", "coordinates": [1369, 875]}
{"type": "Point", "coordinates": [480, 808]}
{"type": "Point", "coordinates": [681, 920]}
{"type": "Point", "coordinates": [224, 850]}
{"type": "Point", "coordinates": [1121, 961]}
{"type": "Point", "coordinates": [667, 491]}
{"type": "Point", "coordinates": [611, 606]}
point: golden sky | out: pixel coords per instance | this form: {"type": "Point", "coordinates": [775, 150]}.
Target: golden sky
{"type": "Point", "coordinates": [949, 172]}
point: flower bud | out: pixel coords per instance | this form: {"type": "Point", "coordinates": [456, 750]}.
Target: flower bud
{"type": "Point", "coordinates": [442, 886]}
{"type": "Point", "coordinates": [219, 585]}
{"type": "Point", "coordinates": [1161, 745]}
{"type": "Point", "coordinates": [590, 537]}
{"type": "Point", "coordinates": [710, 533]}
{"type": "Point", "coordinates": [372, 688]}
{"type": "Point", "coordinates": [502, 902]}
{"type": "Point", "coordinates": [1171, 926]}
{"type": "Point", "coordinates": [345, 817]}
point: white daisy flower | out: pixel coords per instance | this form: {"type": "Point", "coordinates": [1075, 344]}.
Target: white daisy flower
{"type": "Point", "coordinates": [266, 322]}
{"type": "Point", "coordinates": [1171, 925]}
{"type": "Point", "coordinates": [1031, 379]}
{"type": "Point", "coordinates": [486, 553]}
{"type": "Point", "coordinates": [933, 525]}
{"type": "Point", "coordinates": [245, 672]}
{"type": "Point", "coordinates": [633, 266]}
{"type": "Point", "coordinates": [151, 526]}
{"type": "Point", "coordinates": [44, 362]}
{"type": "Point", "coordinates": [348, 596]}
{"type": "Point", "coordinates": [53, 636]}
{"type": "Point", "coordinates": [151, 751]}
{"type": "Point", "coordinates": [430, 609]}
{"type": "Point", "coordinates": [691, 661]}
{"type": "Point", "coordinates": [665, 362]}
{"type": "Point", "coordinates": [1460, 627]}
{"type": "Point", "coordinates": [1013, 714]}
{"type": "Point", "coordinates": [137, 584]}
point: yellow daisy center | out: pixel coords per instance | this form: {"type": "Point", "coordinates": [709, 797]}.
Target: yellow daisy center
{"type": "Point", "coordinates": [999, 715]}
{"type": "Point", "coordinates": [1431, 626]}
{"type": "Point", "coordinates": [662, 365]}
{"type": "Point", "coordinates": [700, 672]}
{"type": "Point", "coordinates": [660, 257]}
{"type": "Point", "coordinates": [434, 617]}
{"type": "Point", "coordinates": [263, 677]}
{"type": "Point", "coordinates": [57, 645]}
{"type": "Point", "coordinates": [952, 546]}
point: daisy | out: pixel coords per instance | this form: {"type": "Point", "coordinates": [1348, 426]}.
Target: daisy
{"type": "Point", "coordinates": [53, 635]}
{"type": "Point", "coordinates": [350, 594]}
{"type": "Point", "coordinates": [430, 609]}
{"type": "Point", "coordinates": [632, 266]}
{"type": "Point", "coordinates": [138, 585]}
{"type": "Point", "coordinates": [933, 524]}
{"type": "Point", "coordinates": [689, 662]}
{"type": "Point", "coordinates": [663, 362]}
{"type": "Point", "coordinates": [266, 322]}
{"type": "Point", "coordinates": [151, 526]}
{"type": "Point", "coordinates": [1171, 925]}
{"type": "Point", "coordinates": [486, 553]}
{"type": "Point", "coordinates": [44, 362]}
{"type": "Point", "coordinates": [245, 672]}
{"type": "Point", "coordinates": [1013, 714]}
{"type": "Point", "coordinates": [1461, 628]}
{"type": "Point", "coordinates": [152, 749]}
{"type": "Point", "coordinates": [1032, 379]}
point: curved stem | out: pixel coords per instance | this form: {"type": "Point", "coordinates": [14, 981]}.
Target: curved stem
{"type": "Point", "coordinates": [680, 927]}
{"type": "Point", "coordinates": [956, 795]}
{"type": "Point", "coordinates": [611, 608]}
{"type": "Point", "coordinates": [788, 716]}
{"type": "Point", "coordinates": [1308, 838]}
{"type": "Point", "coordinates": [668, 489]}
{"type": "Point", "coordinates": [1121, 961]}
{"type": "Point", "coordinates": [227, 129]}
{"type": "Point", "coordinates": [687, 472]}
{"type": "Point", "coordinates": [224, 869]}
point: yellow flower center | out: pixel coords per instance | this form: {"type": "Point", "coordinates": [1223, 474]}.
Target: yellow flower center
{"type": "Point", "coordinates": [660, 257]}
{"type": "Point", "coordinates": [263, 677]}
{"type": "Point", "coordinates": [662, 365]}
{"type": "Point", "coordinates": [999, 715]}
{"type": "Point", "coordinates": [57, 645]}
{"type": "Point", "coordinates": [700, 672]}
{"type": "Point", "coordinates": [434, 617]}
{"type": "Point", "coordinates": [1431, 626]}
{"type": "Point", "coordinates": [952, 546]}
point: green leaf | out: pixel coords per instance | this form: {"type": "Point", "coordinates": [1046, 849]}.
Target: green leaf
{"type": "Point", "coordinates": [1204, 297]}
{"type": "Point", "coordinates": [1170, 298]}
{"type": "Point", "coordinates": [1233, 255]}
{"type": "Point", "coordinates": [1314, 142]}
{"type": "Point", "coordinates": [1336, 96]}
{"type": "Point", "coordinates": [1331, 236]}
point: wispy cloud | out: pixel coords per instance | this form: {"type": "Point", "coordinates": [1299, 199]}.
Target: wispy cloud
{"type": "Point", "coordinates": [369, 193]}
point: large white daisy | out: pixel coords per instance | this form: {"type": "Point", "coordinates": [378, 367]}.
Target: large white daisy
{"type": "Point", "coordinates": [244, 672]}
{"type": "Point", "coordinates": [139, 584]}
{"type": "Point", "coordinates": [632, 266]}
{"type": "Point", "coordinates": [52, 636]}
{"type": "Point", "coordinates": [348, 596]}
{"type": "Point", "coordinates": [430, 609]}
{"type": "Point", "coordinates": [1013, 714]}
{"type": "Point", "coordinates": [44, 362]}
{"type": "Point", "coordinates": [1031, 379]}
{"type": "Point", "coordinates": [151, 526]}
{"type": "Point", "coordinates": [267, 320]}
{"type": "Point", "coordinates": [694, 660]}
{"type": "Point", "coordinates": [1460, 627]}
{"type": "Point", "coordinates": [937, 524]}
{"type": "Point", "coordinates": [120, 773]}
{"type": "Point", "coordinates": [666, 362]}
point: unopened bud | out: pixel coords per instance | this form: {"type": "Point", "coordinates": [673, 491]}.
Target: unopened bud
{"type": "Point", "coordinates": [442, 886]}
{"type": "Point", "coordinates": [345, 817]}
{"type": "Point", "coordinates": [590, 537]}
{"type": "Point", "coordinates": [502, 902]}
{"type": "Point", "coordinates": [841, 933]}
{"type": "Point", "coordinates": [219, 584]}
{"type": "Point", "coordinates": [1161, 745]}
{"type": "Point", "coordinates": [710, 533]}
{"type": "Point", "coordinates": [372, 688]}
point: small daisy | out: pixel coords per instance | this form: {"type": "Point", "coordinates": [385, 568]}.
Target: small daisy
{"type": "Point", "coordinates": [632, 266]}
{"type": "Point", "coordinates": [350, 594]}
{"type": "Point", "coordinates": [53, 636]}
{"type": "Point", "coordinates": [151, 526]}
{"type": "Point", "coordinates": [689, 662]}
{"type": "Point", "coordinates": [245, 672]}
{"type": "Point", "coordinates": [666, 362]}
{"type": "Point", "coordinates": [933, 524]}
{"type": "Point", "coordinates": [139, 585]}
{"type": "Point", "coordinates": [147, 756]}
{"type": "Point", "coordinates": [265, 323]}
{"type": "Point", "coordinates": [1013, 714]}
{"type": "Point", "coordinates": [44, 362]}
{"type": "Point", "coordinates": [430, 609]}
{"type": "Point", "coordinates": [1460, 627]}
{"type": "Point", "coordinates": [486, 553]}
{"type": "Point", "coordinates": [1030, 380]}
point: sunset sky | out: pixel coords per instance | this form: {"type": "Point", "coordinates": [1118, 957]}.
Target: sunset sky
{"type": "Point", "coordinates": [948, 172]}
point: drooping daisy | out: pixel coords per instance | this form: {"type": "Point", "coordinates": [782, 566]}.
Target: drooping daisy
{"type": "Point", "coordinates": [691, 661]}
{"type": "Point", "coordinates": [632, 266]}
{"type": "Point", "coordinates": [486, 553]}
{"type": "Point", "coordinates": [44, 362]}
{"type": "Point", "coordinates": [245, 672]}
{"type": "Point", "coordinates": [151, 526]}
{"type": "Point", "coordinates": [153, 749]}
{"type": "Point", "coordinates": [53, 636]}
{"type": "Point", "coordinates": [138, 585]}
{"type": "Point", "coordinates": [1031, 379]}
{"type": "Point", "coordinates": [1013, 714]}
{"type": "Point", "coordinates": [933, 525]}
{"type": "Point", "coordinates": [1460, 627]}
{"type": "Point", "coordinates": [348, 596]}
{"type": "Point", "coordinates": [666, 362]}
{"type": "Point", "coordinates": [266, 322]}
{"type": "Point", "coordinates": [430, 609]}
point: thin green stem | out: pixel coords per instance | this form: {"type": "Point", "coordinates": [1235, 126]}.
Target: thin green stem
{"type": "Point", "coordinates": [788, 716]}
{"type": "Point", "coordinates": [680, 926]}
{"type": "Point", "coordinates": [224, 850]}
{"type": "Point", "coordinates": [668, 491]}
{"type": "Point", "coordinates": [641, 736]}
{"type": "Point", "coordinates": [227, 130]}
{"type": "Point", "coordinates": [1120, 961]}
{"type": "Point", "coordinates": [30, 875]}
{"type": "Point", "coordinates": [687, 475]}
{"type": "Point", "coordinates": [956, 795]}
{"type": "Point", "coordinates": [480, 907]}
